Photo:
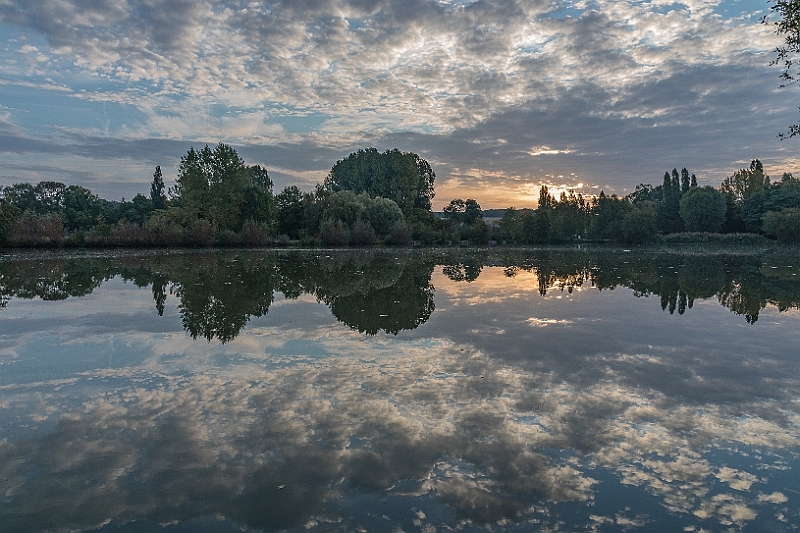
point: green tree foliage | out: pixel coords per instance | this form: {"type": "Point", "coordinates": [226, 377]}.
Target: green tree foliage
{"type": "Point", "coordinates": [289, 212]}
{"type": "Point", "coordinates": [259, 202]}
{"type": "Point", "coordinates": [215, 185]}
{"type": "Point", "coordinates": [466, 217]}
{"type": "Point", "coordinates": [646, 194]}
{"type": "Point", "coordinates": [22, 196]}
{"type": "Point", "coordinates": [426, 227]}
{"type": "Point", "coordinates": [465, 212]}
{"type": "Point", "coordinates": [137, 211]}
{"type": "Point", "coordinates": [158, 195]}
{"type": "Point", "coordinates": [786, 55]}
{"type": "Point", "coordinates": [8, 212]}
{"type": "Point", "coordinates": [569, 217]}
{"type": "Point", "coordinates": [358, 215]}
{"type": "Point", "coordinates": [81, 208]}
{"type": "Point", "coordinates": [743, 195]}
{"type": "Point", "coordinates": [46, 197]}
{"type": "Point", "coordinates": [784, 225]}
{"type": "Point", "coordinates": [639, 225]}
{"type": "Point", "coordinates": [669, 219]}
{"type": "Point", "coordinates": [608, 213]}
{"type": "Point", "coordinates": [685, 181]}
{"type": "Point", "coordinates": [403, 177]}
{"type": "Point", "coordinates": [511, 226]}
{"type": "Point", "coordinates": [381, 214]}
{"type": "Point", "coordinates": [703, 209]}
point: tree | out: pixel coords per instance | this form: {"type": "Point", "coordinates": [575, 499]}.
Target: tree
{"type": "Point", "coordinates": [742, 193]}
{"type": "Point", "coordinates": [703, 209]}
{"type": "Point", "coordinates": [400, 176]}
{"type": "Point", "coordinates": [22, 196]}
{"type": "Point", "coordinates": [137, 211]}
{"type": "Point", "coordinates": [787, 26]}
{"type": "Point", "coordinates": [463, 212]}
{"type": "Point", "coordinates": [215, 185]}
{"type": "Point", "coordinates": [381, 214]}
{"type": "Point", "coordinates": [783, 225]}
{"type": "Point", "coordinates": [289, 206]}
{"type": "Point", "coordinates": [685, 181]}
{"type": "Point", "coordinates": [259, 202]}
{"type": "Point", "coordinates": [669, 220]}
{"type": "Point", "coordinates": [8, 212]}
{"type": "Point", "coordinates": [511, 224]}
{"type": "Point", "coordinates": [81, 208]}
{"type": "Point", "coordinates": [157, 192]}
{"type": "Point", "coordinates": [608, 214]}
{"type": "Point", "coordinates": [639, 225]}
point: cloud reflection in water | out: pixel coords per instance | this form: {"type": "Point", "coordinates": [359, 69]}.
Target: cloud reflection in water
{"type": "Point", "coordinates": [447, 426]}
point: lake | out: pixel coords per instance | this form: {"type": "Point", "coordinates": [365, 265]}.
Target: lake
{"type": "Point", "coordinates": [388, 390]}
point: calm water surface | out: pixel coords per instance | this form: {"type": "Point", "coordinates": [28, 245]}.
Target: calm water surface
{"type": "Point", "coordinates": [537, 390]}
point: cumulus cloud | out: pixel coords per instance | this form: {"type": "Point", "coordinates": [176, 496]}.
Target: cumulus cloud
{"type": "Point", "coordinates": [570, 92]}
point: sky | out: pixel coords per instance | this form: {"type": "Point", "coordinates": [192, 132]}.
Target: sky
{"type": "Point", "coordinates": [500, 96]}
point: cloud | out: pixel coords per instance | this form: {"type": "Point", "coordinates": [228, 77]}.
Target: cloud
{"type": "Point", "coordinates": [610, 93]}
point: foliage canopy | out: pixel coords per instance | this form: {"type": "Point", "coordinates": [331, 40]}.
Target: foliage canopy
{"type": "Point", "coordinates": [403, 177]}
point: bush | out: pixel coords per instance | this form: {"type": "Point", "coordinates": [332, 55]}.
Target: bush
{"type": "Point", "coordinates": [255, 234]}
{"type": "Point", "coordinates": [334, 233]}
{"type": "Point", "coordinates": [399, 234]}
{"type": "Point", "coordinates": [37, 230]}
{"type": "Point", "coordinates": [201, 233]}
{"type": "Point", "coordinates": [730, 239]}
{"type": "Point", "coordinates": [228, 237]}
{"type": "Point", "coordinates": [784, 225]}
{"type": "Point", "coordinates": [76, 238]}
{"type": "Point", "coordinates": [94, 238]}
{"type": "Point", "coordinates": [164, 229]}
{"type": "Point", "coordinates": [362, 234]}
{"type": "Point", "coordinates": [125, 233]}
{"type": "Point", "coordinates": [639, 225]}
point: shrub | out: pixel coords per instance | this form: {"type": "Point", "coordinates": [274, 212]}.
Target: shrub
{"type": "Point", "coordinates": [784, 225]}
{"type": "Point", "coordinates": [362, 234]}
{"type": "Point", "coordinates": [399, 234]}
{"type": "Point", "coordinates": [333, 232]}
{"type": "Point", "coordinates": [255, 234]}
{"type": "Point", "coordinates": [37, 230]}
{"type": "Point", "coordinates": [201, 233]}
{"type": "Point", "coordinates": [730, 239]}
{"type": "Point", "coordinates": [125, 233]}
{"type": "Point", "coordinates": [164, 229]}
{"type": "Point", "coordinates": [94, 238]}
{"type": "Point", "coordinates": [76, 238]}
{"type": "Point", "coordinates": [228, 237]}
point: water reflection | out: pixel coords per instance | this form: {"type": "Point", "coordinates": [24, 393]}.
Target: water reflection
{"type": "Point", "coordinates": [392, 291]}
{"type": "Point", "coordinates": [534, 398]}
{"type": "Point", "coordinates": [219, 293]}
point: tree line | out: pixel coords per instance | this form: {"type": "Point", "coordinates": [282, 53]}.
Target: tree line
{"type": "Point", "coordinates": [746, 206]}
{"type": "Point", "coordinates": [373, 197]}
{"type": "Point", "coordinates": [367, 198]}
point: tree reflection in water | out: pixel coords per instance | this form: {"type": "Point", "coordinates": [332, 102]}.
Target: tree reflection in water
{"type": "Point", "coordinates": [467, 429]}
{"type": "Point", "coordinates": [391, 290]}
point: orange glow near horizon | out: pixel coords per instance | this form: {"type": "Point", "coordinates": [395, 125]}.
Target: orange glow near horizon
{"type": "Point", "coordinates": [498, 191]}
